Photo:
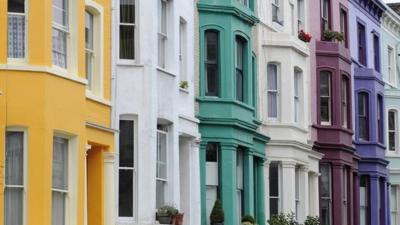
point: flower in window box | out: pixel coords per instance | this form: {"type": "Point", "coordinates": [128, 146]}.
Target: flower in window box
{"type": "Point", "coordinates": [331, 35]}
{"type": "Point", "coordinates": [304, 36]}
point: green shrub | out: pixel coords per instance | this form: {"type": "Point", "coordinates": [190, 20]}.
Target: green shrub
{"type": "Point", "coordinates": [283, 219]}
{"type": "Point", "coordinates": [167, 210]}
{"type": "Point", "coordinates": [217, 213]}
{"type": "Point", "coordinates": [311, 220]}
{"type": "Point", "coordinates": [248, 218]}
{"type": "Point", "coordinates": [330, 35]}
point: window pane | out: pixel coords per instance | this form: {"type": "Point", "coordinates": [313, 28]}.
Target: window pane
{"type": "Point", "coordinates": [126, 145]}
{"type": "Point", "coordinates": [392, 141]}
{"type": "Point", "coordinates": [325, 83]}
{"type": "Point", "coordinates": [274, 179]}
{"type": "Point", "coordinates": [58, 208]}
{"type": "Point", "coordinates": [60, 163]}
{"type": "Point", "coordinates": [391, 119]}
{"type": "Point", "coordinates": [272, 77]}
{"type": "Point", "coordinates": [160, 193]}
{"type": "Point", "coordinates": [325, 183]}
{"type": "Point", "coordinates": [211, 46]}
{"type": "Point", "coordinates": [14, 158]}
{"type": "Point", "coordinates": [393, 198]}
{"type": "Point", "coordinates": [239, 53]}
{"type": "Point", "coordinates": [125, 193]}
{"type": "Point", "coordinates": [17, 6]}
{"type": "Point", "coordinates": [212, 152]}
{"type": "Point", "coordinates": [325, 110]}
{"type": "Point", "coordinates": [127, 11]}
{"type": "Point", "coordinates": [13, 206]}
{"type": "Point", "coordinates": [273, 206]}
{"type": "Point", "coordinates": [325, 212]}
{"type": "Point", "coordinates": [60, 12]}
{"type": "Point", "coordinates": [59, 48]}
{"type": "Point", "coordinates": [212, 80]}
{"type": "Point", "coordinates": [126, 42]}
{"type": "Point", "coordinates": [161, 155]}
{"type": "Point", "coordinates": [163, 18]}
{"type": "Point", "coordinates": [272, 105]}
{"type": "Point", "coordinates": [16, 36]}
{"type": "Point", "coordinates": [88, 30]}
{"type": "Point", "coordinates": [239, 85]}
{"type": "Point", "coordinates": [363, 127]}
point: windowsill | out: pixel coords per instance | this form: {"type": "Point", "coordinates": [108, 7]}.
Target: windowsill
{"type": "Point", "coordinates": [128, 63]}
{"type": "Point", "coordinates": [184, 90]}
{"type": "Point", "coordinates": [17, 61]}
{"type": "Point", "coordinates": [393, 154]}
{"type": "Point", "coordinates": [54, 70]}
{"type": "Point", "coordinates": [278, 26]}
{"type": "Point", "coordinates": [277, 123]}
{"type": "Point", "coordinates": [97, 99]}
{"type": "Point", "coordinates": [164, 71]}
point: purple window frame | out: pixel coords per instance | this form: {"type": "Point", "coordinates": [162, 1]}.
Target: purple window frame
{"type": "Point", "coordinates": [364, 116]}
{"type": "Point", "coordinates": [377, 58]}
{"type": "Point", "coordinates": [379, 118]}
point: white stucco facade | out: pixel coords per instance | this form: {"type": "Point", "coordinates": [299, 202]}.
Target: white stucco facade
{"type": "Point", "coordinates": [146, 90]}
{"type": "Point", "coordinates": [284, 109]}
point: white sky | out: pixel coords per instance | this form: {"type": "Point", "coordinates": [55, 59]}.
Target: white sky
{"type": "Point", "coordinates": [391, 1]}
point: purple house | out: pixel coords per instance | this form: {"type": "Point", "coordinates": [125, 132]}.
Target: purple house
{"type": "Point", "coordinates": [368, 110]}
{"type": "Point", "coordinates": [331, 101]}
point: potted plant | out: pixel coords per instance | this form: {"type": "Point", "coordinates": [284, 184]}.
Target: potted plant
{"type": "Point", "coordinates": [283, 219]}
{"type": "Point", "coordinates": [165, 214]}
{"type": "Point", "coordinates": [330, 35]}
{"type": "Point", "coordinates": [184, 84]}
{"type": "Point", "coordinates": [217, 214]}
{"type": "Point", "coordinates": [178, 219]}
{"type": "Point", "coordinates": [248, 220]}
{"type": "Point", "coordinates": [304, 36]}
{"type": "Point", "coordinates": [311, 220]}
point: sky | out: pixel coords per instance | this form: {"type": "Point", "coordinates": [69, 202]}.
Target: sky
{"type": "Point", "coordinates": [391, 1]}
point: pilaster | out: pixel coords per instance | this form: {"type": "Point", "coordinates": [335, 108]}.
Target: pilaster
{"type": "Point", "coordinates": [337, 184]}
{"type": "Point", "coordinates": [288, 186]}
{"type": "Point", "coordinates": [109, 201]}
{"type": "Point", "coordinates": [374, 199]}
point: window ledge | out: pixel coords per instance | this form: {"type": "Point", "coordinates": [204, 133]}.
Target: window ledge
{"type": "Point", "coordinates": [183, 90]}
{"type": "Point", "coordinates": [51, 70]}
{"type": "Point", "coordinates": [166, 72]}
{"type": "Point", "coordinates": [96, 98]}
{"type": "Point", "coordinates": [128, 63]}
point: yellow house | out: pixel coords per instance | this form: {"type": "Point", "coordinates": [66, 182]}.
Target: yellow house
{"type": "Point", "coordinates": [56, 141]}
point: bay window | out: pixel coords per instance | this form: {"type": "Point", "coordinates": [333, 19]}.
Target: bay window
{"type": "Point", "coordinates": [392, 130]}
{"type": "Point", "coordinates": [60, 33]}
{"type": "Point", "coordinates": [14, 178]}
{"type": "Point", "coordinates": [325, 15]}
{"type": "Point", "coordinates": [326, 194]}
{"type": "Point", "coordinates": [126, 170]}
{"type": "Point", "coordinates": [240, 60]}
{"type": "Point", "coordinates": [211, 63]}
{"type": "Point", "coordinates": [162, 32]}
{"type": "Point", "coordinates": [89, 48]}
{"type": "Point", "coordinates": [363, 116]}
{"type": "Point", "coordinates": [16, 29]}
{"type": "Point", "coordinates": [345, 102]}
{"type": "Point", "coordinates": [325, 97]}
{"type": "Point", "coordinates": [272, 91]}
{"type": "Point", "coordinates": [60, 184]}
{"type": "Point", "coordinates": [297, 94]}
{"type": "Point", "coordinates": [274, 189]}
{"type": "Point", "coordinates": [127, 29]}
{"type": "Point", "coordinates": [162, 168]}
{"type": "Point", "coordinates": [379, 115]}
{"type": "Point", "coordinates": [362, 45]}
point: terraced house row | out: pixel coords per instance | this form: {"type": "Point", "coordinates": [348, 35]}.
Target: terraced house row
{"type": "Point", "coordinates": [111, 110]}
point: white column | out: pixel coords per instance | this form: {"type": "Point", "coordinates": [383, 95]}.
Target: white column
{"type": "Point", "coordinates": [288, 187]}
{"type": "Point", "coordinates": [304, 195]}
{"type": "Point", "coordinates": [266, 188]}
{"type": "Point", "coordinates": [313, 194]}
{"type": "Point", "coordinates": [109, 201]}
{"type": "Point", "coordinates": [195, 201]}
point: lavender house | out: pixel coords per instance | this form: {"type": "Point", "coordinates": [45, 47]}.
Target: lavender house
{"type": "Point", "coordinates": [331, 103]}
{"type": "Point", "coordinates": [369, 110]}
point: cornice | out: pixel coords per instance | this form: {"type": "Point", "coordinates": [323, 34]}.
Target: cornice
{"type": "Point", "coordinates": [372, 8]}
{"type": "Point", "coordinates": [250, 18]}
{"type": "Point", "coordinates": [391, 22]}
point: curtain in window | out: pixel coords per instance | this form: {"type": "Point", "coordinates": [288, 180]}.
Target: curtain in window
{"type": "Point", "coordinates": [127, 29]}
{"type": "Point", "coordinates": [272, 91]}
{"type": "Point", "coordinates": [13, 196]}
{"type": "Point", "coordinates": [60, 48]}
{"type": "Point", "coordinates": [16, 36]}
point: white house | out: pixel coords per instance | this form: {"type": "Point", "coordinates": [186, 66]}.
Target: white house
{"type": "Point", "coordinates": [153, 92]}
{"type": "Point", "coordinates": [292, 168]}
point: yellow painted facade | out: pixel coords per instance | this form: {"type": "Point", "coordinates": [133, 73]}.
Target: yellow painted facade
{"type": "Point", "coordinates": [43, 100]}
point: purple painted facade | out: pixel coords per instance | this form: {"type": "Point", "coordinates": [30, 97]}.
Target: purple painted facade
{"type": "Point", "coordinates": [332, 128]}
{"type": "Point", "coordinates": [368, 108]}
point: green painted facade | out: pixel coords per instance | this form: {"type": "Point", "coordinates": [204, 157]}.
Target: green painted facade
{"type": "Point", "coordinates": [223, 119]}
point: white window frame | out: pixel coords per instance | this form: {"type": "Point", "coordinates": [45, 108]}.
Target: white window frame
{"type": "Point", "coordinates": [301, 24]}
{"type": "Point", "coordinates": [166, 179]}
{"type": "Point", "coordinates": [279, 197]}
{"type": "Point", "coordinates": [25, 171]}
{"type": "Point", "coordinates": [395, 131]}
{"type": "Point", "coordinates": [129, 220]}
{"type": "Point", "coordinates": [97, 11]}
{"type": "Point", "coordinates": [136, 36]}
{"type": "Point", "coordinates": [277, 7]}
{"type": "Point", "coordinates": [392, 78]}
{"type": "Point", "coordinates": [162, 34]}
{"type": "Point", "coordinates": [297, 96]}
{"type": "Point", "coordinates": [66, 31]}
{"type": "Point", "coordinates": [90, 52]}
{"type": "Point", "coordinates": [395, 212]}
{"type": "Point", "coordinates": [329, 97]}
{"type": "Point", "coordinates": [273, 91]}
{"type": "Point", "coordinates": [25, 15]}
{"type": "Point", "coordinates": [71, 193]}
